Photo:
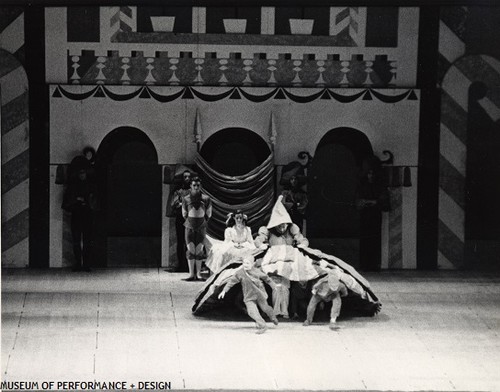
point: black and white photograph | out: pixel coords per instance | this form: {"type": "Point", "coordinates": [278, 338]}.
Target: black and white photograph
{"type": "Point", "coordinates": [250, 195]}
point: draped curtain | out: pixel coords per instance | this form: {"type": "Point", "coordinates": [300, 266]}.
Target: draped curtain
{"type": "Point", "coordinates": [252, 192]}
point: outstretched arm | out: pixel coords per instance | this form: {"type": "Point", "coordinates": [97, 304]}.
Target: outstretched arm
{"type": "Point", "coordinates": [311, 309]}
{"type": "Point", "coordinates": [231, 282]}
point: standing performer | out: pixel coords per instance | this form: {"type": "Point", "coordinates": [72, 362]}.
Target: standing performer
{"type": "Point", "coordinates": [176, 205]}
{"type": "Point", "coordinates": [78, 201]}
{"type": "Point", "coordinates": [196, 210]}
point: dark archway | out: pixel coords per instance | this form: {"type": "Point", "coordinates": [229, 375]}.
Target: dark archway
{"type": "Point", "coordinates": [128, 227]}
{"type": "Point", "coordinates": [235, 151]}
{"type": "Point", "coordinates": [332, 219]}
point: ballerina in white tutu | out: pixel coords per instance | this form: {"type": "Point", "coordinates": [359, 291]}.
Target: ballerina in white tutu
{"type": "Point", "coordinates": [238, 242]}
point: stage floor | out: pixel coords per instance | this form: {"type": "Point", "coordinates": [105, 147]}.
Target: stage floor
{"type": "Point", "coordinates": [437, 331]}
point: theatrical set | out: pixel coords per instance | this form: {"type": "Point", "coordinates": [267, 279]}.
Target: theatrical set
{"type": "Point", "coordinates": [267, 161]}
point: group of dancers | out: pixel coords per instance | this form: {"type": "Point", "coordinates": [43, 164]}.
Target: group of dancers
{"type": "Point", "coordinates": [278, 257]}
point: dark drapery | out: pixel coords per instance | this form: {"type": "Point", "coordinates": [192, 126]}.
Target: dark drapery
{"type": "Point", "coordinates": [252, 192]}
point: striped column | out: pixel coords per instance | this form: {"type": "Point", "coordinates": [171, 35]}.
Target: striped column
{"type": "Point", "coordinates": [451, 36]}
{"type": "Point", "coordinates": [15, 161]}
{"type": "Point", "coordinates": [453, 149]}
{"type": "Point", "coordinates": [396, 229]}
{"type": "Point", "coordinates": [12, 31]}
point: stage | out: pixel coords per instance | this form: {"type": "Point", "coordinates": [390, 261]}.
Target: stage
{"type": "Point", "coordinates": [437, 331]}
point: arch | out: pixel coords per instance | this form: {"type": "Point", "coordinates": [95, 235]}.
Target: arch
{"type": "Point", "coordinates": [356, 141]}
{"type": "Point", "coordinates": [464, 83]}
{"type": "Point", "coordinates": [126, 140]}
{"type": "Point", "coordinates": [332, 219]}
{"type": "Point", "coordinates": [128, 227]}
{"type": "Point", "coordinates": [14, 94]}
{"type": "Point", "coordinates": [235, 151]}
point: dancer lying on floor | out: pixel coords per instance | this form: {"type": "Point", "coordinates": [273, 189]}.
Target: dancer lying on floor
{"type": "Point", "coordinates": [254, 293]}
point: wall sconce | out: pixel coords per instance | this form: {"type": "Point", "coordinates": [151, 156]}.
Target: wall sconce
{"type": "Point", "coordinates": [61, 174]}
{"type": "Point", "coordinates": [396, 177]}
{"type": "Point", "coordinates": [399, 176]}
{"type": "Point", "coordinates": [407, 177]}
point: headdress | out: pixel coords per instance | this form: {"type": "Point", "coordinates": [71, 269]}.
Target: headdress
{"type": "Point", "coordinates": [231, 215]}
{"type": "Point", "coordinates": [279, 215]}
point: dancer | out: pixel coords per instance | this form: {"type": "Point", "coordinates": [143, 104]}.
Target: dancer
{"type": "Point", "coordinates": [328, 289]}
{"type": "Point", "coordinates": [77, 200]}
{"type": "Point", "coordinates": [280, 229]}
{"type": "Point", "coordinates": [238, 241]}
{"type": "Point", "coordinates": [196, 210]}
{"type": "Point", "coordinates": [176, 204]}
{"type": "Point", "coordinates": [254, 293]}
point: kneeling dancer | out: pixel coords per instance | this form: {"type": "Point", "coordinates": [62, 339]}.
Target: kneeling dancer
{"type": "Point", "coordinates": [328, 288]}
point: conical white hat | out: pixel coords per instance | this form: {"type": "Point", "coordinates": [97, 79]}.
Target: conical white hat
{"type": "Point", "coordinates": [279, 215]}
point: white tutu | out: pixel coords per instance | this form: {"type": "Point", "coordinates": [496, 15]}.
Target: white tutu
{"type": "Point", "coordinates": [221, 253]}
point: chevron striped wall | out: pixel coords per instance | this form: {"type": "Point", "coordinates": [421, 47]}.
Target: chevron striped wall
{"type": "Point", "coordinates": [457, 72]}
{"type": "Point", "coordinates": [453, 149]}
{"type": "Point", "coordinates": [15, 140]}
{"type": "Point", "coordinates": [451, 37]}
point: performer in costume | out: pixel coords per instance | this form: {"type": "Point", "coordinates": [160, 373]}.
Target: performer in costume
{"type": "Point", "coordinates": [280, 229]}
{"type": "Point", "coordinates": [176, 205]}
{"type": "Point", "coordinates": [196, 210]}
{"type": "Point", "coordinates": [238, 242]}
{"type": "Point", "coordinates": [254, 293]}
{"type": "Point", "coordinates": [327, 289]}
{"type": "Point", "coordinates": [77, 200]}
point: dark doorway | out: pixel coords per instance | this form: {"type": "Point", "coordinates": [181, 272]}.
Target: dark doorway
{"type": "Point", "coordinates": [235, 151]}
{"type": "Point", "coordinates": [128, 227]}
{"type": "Point", "coordinates": [332, 219]}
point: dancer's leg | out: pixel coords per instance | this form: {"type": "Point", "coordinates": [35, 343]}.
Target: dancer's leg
{"type": "Point", "coordinates": [254, 313]}
{"type": "Point", "coordinates": [191, 252]}
{"type": "Point", "coordinates": [262, 303]}
{"type": "Point", "coordinates": [199, 250]}
{"type": "Point", "coordinates": [199, 263]}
